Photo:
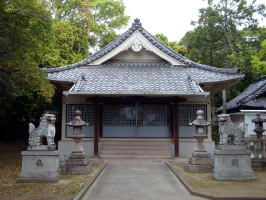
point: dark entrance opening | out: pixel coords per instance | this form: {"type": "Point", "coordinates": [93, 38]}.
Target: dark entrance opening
{"type": "Point", "coordinates": [135, 121]}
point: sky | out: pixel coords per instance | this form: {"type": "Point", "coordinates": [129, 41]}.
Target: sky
{"type": "Point", "coordinates": [170, 17]}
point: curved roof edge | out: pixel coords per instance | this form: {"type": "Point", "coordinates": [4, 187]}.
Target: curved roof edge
{"type": "Point", "coordinates": [136, 25]}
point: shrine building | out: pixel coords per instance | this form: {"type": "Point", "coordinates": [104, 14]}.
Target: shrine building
{"type": "Point", "coordinates": [138, 97]}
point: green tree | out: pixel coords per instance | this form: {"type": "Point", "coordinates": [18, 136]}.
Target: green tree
{"type": "Point", "coordinates": [258, 57]}
{"type": "Point", "coordinates": [226, 35]}
{"type": "Point", "coordinates": [108, 16]}
{"type": "Point", "coordinates": [80, 27]}
{"type": "Point", "coordinates": [218, 37]}
{"type": "Point", "coordinates": [25, 27]}
{"type": "Point", "coordinates": [182, 49]}
{"type": "Point", "coordinates": [258, 60]}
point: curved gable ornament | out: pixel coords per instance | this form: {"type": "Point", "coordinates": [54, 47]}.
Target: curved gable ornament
{"type": "Point", "coordinates": [136, 42]}
{"type": "Point", "coordinates": [136, 45]}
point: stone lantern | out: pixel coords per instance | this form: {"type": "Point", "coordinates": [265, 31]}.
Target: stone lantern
{"type": "Point", "coordinates": [258, 126]}
{"type": "Point", "coordinates": [201, 125]}
{"type": "Point", "coordinates": [77, 162]}
{"type": "Point", "coordinates": [201, 160]}
{"type": "Point", "coordinates": [77, 125]}
{"type": "Point", "coordinates": [258, 144]}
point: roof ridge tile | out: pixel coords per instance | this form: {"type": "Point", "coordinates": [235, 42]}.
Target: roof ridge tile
{"type": "Point", "coordinates": [136, 25]}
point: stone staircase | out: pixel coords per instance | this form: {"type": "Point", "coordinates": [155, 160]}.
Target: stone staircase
{"type": "Point", "coordinates": [135, 150]}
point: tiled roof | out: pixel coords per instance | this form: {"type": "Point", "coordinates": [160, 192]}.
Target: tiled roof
{"type": "Point", "coordinates": [137, 26]}
{"type": "Point", "coordinates": [251, 96]}
{"type": "Point", "coordinates": [138, 78]}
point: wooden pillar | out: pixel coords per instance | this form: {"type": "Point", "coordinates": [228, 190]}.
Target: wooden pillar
{"type": "Point", "coordinates": [175, 128]}
{"type": "Point", "coordinates": [170, 120]}
{"type": "Point", "coordinates": [100, 120]}
{"type": "Point", "coordinates": [96, 129]}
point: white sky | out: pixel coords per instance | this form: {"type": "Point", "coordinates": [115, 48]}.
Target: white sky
{"type": "Point", "coordinates": [170, 17]}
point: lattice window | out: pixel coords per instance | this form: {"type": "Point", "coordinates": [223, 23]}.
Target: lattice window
{"type": "Point", "coordinates": [135, 115]}
{"type": "Point", "coordinates": [154, 115]}
{"type": "Point", "coordinates": [187, 113]}
{"type": "Point", "coordinates": [87, 110]}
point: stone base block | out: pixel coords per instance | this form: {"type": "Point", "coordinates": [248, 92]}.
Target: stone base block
{"type": "Point", "coordinates": [76, 164]}
{"type": "Point", "coordinates": [201, 154]}
{"type": "Point", "coordinates": [200, 162]}
{"type": "Point", "coordinates": [39, 166]}
{"type": "Point", "coordinates": [199, 168]}
{"type": "Point", "coordinates": [232, 165]}
{"type": "Point", "coordinates": [76, 170]}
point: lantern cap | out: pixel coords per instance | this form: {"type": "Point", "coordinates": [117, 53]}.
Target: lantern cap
{"type": "Point", "coordinates": [200, 121]}
{"type": "Point", "coordinates": [258, 119]}
{"type": "Point", "coordinates": [77, 121]}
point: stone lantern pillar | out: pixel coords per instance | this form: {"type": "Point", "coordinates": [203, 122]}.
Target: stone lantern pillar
{"type": "Point", "coordinates": [201, 159]}
{"type": "Point", "coordinates": [77, 162]}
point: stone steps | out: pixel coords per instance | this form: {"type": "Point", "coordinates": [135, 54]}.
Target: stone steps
{"type": "Point", "coordinates": [140, 147]}
{"type": "Point", "coordinates": [135, 150]}
{"type": "Point", "coordinates": [135, 143]}
{"type": "Point", "coordinates": [128, 156]}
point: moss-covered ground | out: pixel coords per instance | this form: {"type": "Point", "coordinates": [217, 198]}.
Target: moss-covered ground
{"type": "Point", "coordinates": [10, 165]}
{"type": "Point", "coordinates": [205, 183]}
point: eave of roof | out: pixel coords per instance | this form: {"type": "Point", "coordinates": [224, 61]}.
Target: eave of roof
{"type": "Point", "coordinates": [137, 26]}
{"type": "Point", "coordinates": [249, 96]}
{"type": "Point", "coordinates": [135, 93]}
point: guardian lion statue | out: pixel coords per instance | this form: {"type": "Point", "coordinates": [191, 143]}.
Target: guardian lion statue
{"type": "Point", "coordinates": [46, 129]}
{"type": "Point", "coordinates": [227, 129]}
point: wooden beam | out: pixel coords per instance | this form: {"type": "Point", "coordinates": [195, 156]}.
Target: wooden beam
{"type": "Point", "coordinates": [134, 99]}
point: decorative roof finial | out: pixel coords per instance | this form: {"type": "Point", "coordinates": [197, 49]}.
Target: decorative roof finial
{"type": "Point", "coordinates": [136, 23]}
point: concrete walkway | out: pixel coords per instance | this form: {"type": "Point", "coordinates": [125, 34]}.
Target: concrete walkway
{"type": "Point", "coordinates": [137, 181]}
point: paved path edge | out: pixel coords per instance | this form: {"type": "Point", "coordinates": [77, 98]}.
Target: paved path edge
{"type": "Point", "coordinates": [87, 186]}
{"type": "Point", "coordinates": [207, 196]}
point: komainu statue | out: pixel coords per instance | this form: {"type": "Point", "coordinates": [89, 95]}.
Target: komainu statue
{"type": "Point", "coordinates": [46, 129]}
{"type": "Point", "coordinates": [227, 129]}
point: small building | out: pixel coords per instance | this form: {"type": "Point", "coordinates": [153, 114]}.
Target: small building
{"type": "Point", "coordinates": [244, 107]}
{"type": "Point", "coordinates": [137, 94]}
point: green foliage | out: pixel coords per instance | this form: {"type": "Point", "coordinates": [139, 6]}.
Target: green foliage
{"type": "Point", "coordinates": [47, 33]}
{"type": "Point", "coordinates": [68, 45]}
{"type": "Point", "coordinates": [108, 16]}
{"type": "Point", "coordinates": [81, 26]}
{"type": "Point", "coordinates": [182, 49]}
{"type": "Point", "coordinates": [258, 60]}
{"type": "Point", "coordinates": [25, 27]}
{"type": "Point", "coordinates": [217, 39]}
{"type": "Point", "coordinates": [215, 132]}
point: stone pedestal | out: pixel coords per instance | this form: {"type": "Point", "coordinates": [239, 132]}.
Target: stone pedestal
{"type": "Point", "coordinates": [200, 162]}
{"type": "Point", "coordinates": [39, 167]}
{"type": "Point", "coordinates": [232, 162]}
{"type": "Point", "coordinates": [77, 164]}
{"type": "Point", "coordinates": [42, 148]}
